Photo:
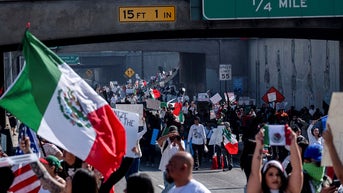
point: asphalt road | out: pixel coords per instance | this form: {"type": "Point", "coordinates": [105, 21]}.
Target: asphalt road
{"type": "Point", "coordinates": [216, 181]}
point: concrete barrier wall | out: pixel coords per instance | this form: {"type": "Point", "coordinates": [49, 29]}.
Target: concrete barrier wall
{"type": "Point", "coordinates": [305, 71]}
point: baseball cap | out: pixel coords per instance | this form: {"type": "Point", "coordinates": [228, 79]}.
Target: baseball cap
{"type": "Point", "coordinates": [51, 160]}
{"type": "Point", "coordinates": [172, 129]}
{"type": "Point", "coordinates": [314, 152]}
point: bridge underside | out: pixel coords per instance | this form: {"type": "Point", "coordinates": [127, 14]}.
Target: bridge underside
{"type": "Point", "coordinates": [294, 33]}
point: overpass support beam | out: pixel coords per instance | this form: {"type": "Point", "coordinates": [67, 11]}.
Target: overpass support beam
{"type": "Point", "coordinates": [2, 87]}
{"type": "Point", "coordinates": [340, 66]}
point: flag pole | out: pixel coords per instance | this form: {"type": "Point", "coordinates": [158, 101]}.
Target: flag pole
{"type": "Point", "coordinates": [41, 145]}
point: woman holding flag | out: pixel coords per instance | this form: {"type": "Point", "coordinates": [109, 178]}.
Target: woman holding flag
{"type": "Point", "coordinates": [271, 178]}
{"type": "Point", "coordinates": [227, 157]}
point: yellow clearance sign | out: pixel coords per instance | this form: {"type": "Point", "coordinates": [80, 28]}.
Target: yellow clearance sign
{"type": "Point", "coordinates": [147, 14]}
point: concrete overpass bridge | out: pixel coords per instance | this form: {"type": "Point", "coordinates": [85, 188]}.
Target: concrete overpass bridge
{"type": "Point", "coordinates": [64, 22]}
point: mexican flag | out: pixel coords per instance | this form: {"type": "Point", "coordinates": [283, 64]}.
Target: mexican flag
{"type": "Point", "coordinates": [276, 135]}
{"type": "Point", "coordinates": [230, 142]}
{"type": "Point", "coordinates": [49, 97]}
{"type": "Point", "coordinates": [155, 93]}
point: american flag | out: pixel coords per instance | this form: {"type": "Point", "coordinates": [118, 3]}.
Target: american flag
{"type": "Point", "coordinates": [25, 180]}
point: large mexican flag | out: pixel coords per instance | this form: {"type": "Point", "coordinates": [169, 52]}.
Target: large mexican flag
{"type": "Point", "coordinates": [49, 97]}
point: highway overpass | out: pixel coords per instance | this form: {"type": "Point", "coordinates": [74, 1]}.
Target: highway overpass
{"type": "Point", "coordinates": [64, 22]}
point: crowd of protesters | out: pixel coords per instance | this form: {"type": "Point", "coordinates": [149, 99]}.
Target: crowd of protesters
{"type": "Point", "coordinates": [192, 133]}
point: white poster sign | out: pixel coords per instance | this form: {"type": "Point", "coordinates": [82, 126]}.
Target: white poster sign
{"type": "Point", "coordinates": [203, 97]}
{"type": "Point", "coordinates": [335, 121]}
{"type": "Point", "coordinates": [130, 122]}
{"type": "Point", "coordinates": [216, 98]}
{"type": "Point", "coordinates": [134, 108]}
{"type": "Point", "coordinates": [271, 96]}
{"type": "Point", "coordinates": [153, 104]}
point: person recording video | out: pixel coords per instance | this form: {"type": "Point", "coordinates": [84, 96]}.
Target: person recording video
{"type": "Point", "coordinates": [170, 144]}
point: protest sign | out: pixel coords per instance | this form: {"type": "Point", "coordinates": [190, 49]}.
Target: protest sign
{"type": "Point", "coordinates": [135, 108]}
{"type": "Point", "coordinates": [153, 104]}
{"type": "Point", "coordinates": [130, 123]}
{"type": "Point", "coordinates": [216, 98]}
{"type": "Point", "coordinates": [335, 121]}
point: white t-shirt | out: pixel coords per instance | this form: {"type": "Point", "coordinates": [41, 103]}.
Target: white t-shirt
{"type": "Point", "coordinates": [168, 153]}
{"type": "Point", "coordinates": [197, 134]}
{"type": "Point", "coordinates": [193, 186]}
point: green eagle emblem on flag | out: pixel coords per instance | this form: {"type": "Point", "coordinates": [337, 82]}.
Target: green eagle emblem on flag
{"type": "Point", "coordinates": [71, 108]}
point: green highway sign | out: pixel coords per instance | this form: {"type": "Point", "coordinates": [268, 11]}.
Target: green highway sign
{"type": "Point", "coordinates": [258, 9]}
{"type": "Point", "coordinates": [70, 59]}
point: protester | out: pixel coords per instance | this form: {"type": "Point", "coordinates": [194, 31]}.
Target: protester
{"type": "Point", "coordinates": [13, 123]}
{"type": "Point", "coordinates": [170, 144]}
{"type": "Point", "coordinates": [315, 180]}
{"type": "Point", "coordinates": [53, 166]}
{"type": "Point", "coordinates": [272, 178]}
{"type": "Point", "coordinates": [227, 157]}
{"type": "Point", "coordinates": [138, 153]}
{"type": "Point", "coordinates": [47, 181]}
{"type": "Point", "coordinates": [7, 178]}
{"type": "Point", "coordinates": [139, 182]}
{"type": "Point", "coordinates": [116, 176]}
{"type": "Point", "coordinates": [313, 134]}
{"type": "Point", "coordinates": [336, 162]}
{"type": "Point", "coordinates": [83, 181]}
{"type": "Point", "coordinates": [179, 169]}
{"type": "Point", "coordinates": [69, 164]}
{"type": "Point", "coordinates": [197, 137]}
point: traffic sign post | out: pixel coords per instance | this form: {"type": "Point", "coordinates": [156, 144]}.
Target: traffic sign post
{"type": "Point", "coordinates": [129, 72]}
{"type": "Point", "coordinates": [225, 72]}
{"type": "Point", "coordinates": [258, 9]}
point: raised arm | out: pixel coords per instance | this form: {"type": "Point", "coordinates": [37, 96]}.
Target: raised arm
{"type": "Point", "coordinates": [295, 180]}
{"type": "Point", "coordinates": [47, 181]}
{"type": "Point", "coordinates": [255, 178]}
{"type": "Point", "coordinates": [117, 175]}
{"type": "Point", "coordinates": [336, 162]}
{"type": "Point", "coordinates": [162, 139]}
{"type": "Point", "coordinates": [141, 133]}
{"type": "Point", "coordinates": [311, 138]}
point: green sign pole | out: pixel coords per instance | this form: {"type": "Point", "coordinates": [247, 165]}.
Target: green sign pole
{"type": "Point", "coordinates": [258, 9]}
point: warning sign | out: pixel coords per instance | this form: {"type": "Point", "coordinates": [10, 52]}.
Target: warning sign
{"type": "Point", "coordinates": [129, 72]}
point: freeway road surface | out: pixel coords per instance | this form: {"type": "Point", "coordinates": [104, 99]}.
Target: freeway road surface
{"type": "Point", "coordinates": [216, 181]}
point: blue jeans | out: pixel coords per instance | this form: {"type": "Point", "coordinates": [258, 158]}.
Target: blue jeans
{"type": "Point", "coordinates": [134, 167]}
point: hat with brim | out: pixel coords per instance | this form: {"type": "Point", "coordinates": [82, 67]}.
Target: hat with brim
{"type": "Point", "coordinates": [52, 161]}
{"type": "Point", "coordinates": [172, 129]}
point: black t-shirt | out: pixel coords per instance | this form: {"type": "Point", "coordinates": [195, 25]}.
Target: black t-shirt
{"type": "Point", "coordinates": [69, 170]}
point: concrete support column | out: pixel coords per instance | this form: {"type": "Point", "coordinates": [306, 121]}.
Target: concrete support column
{"type": "Point", "coordinates": [340, 65]}
{"type": "Point", "coordinates": [2, 87]}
